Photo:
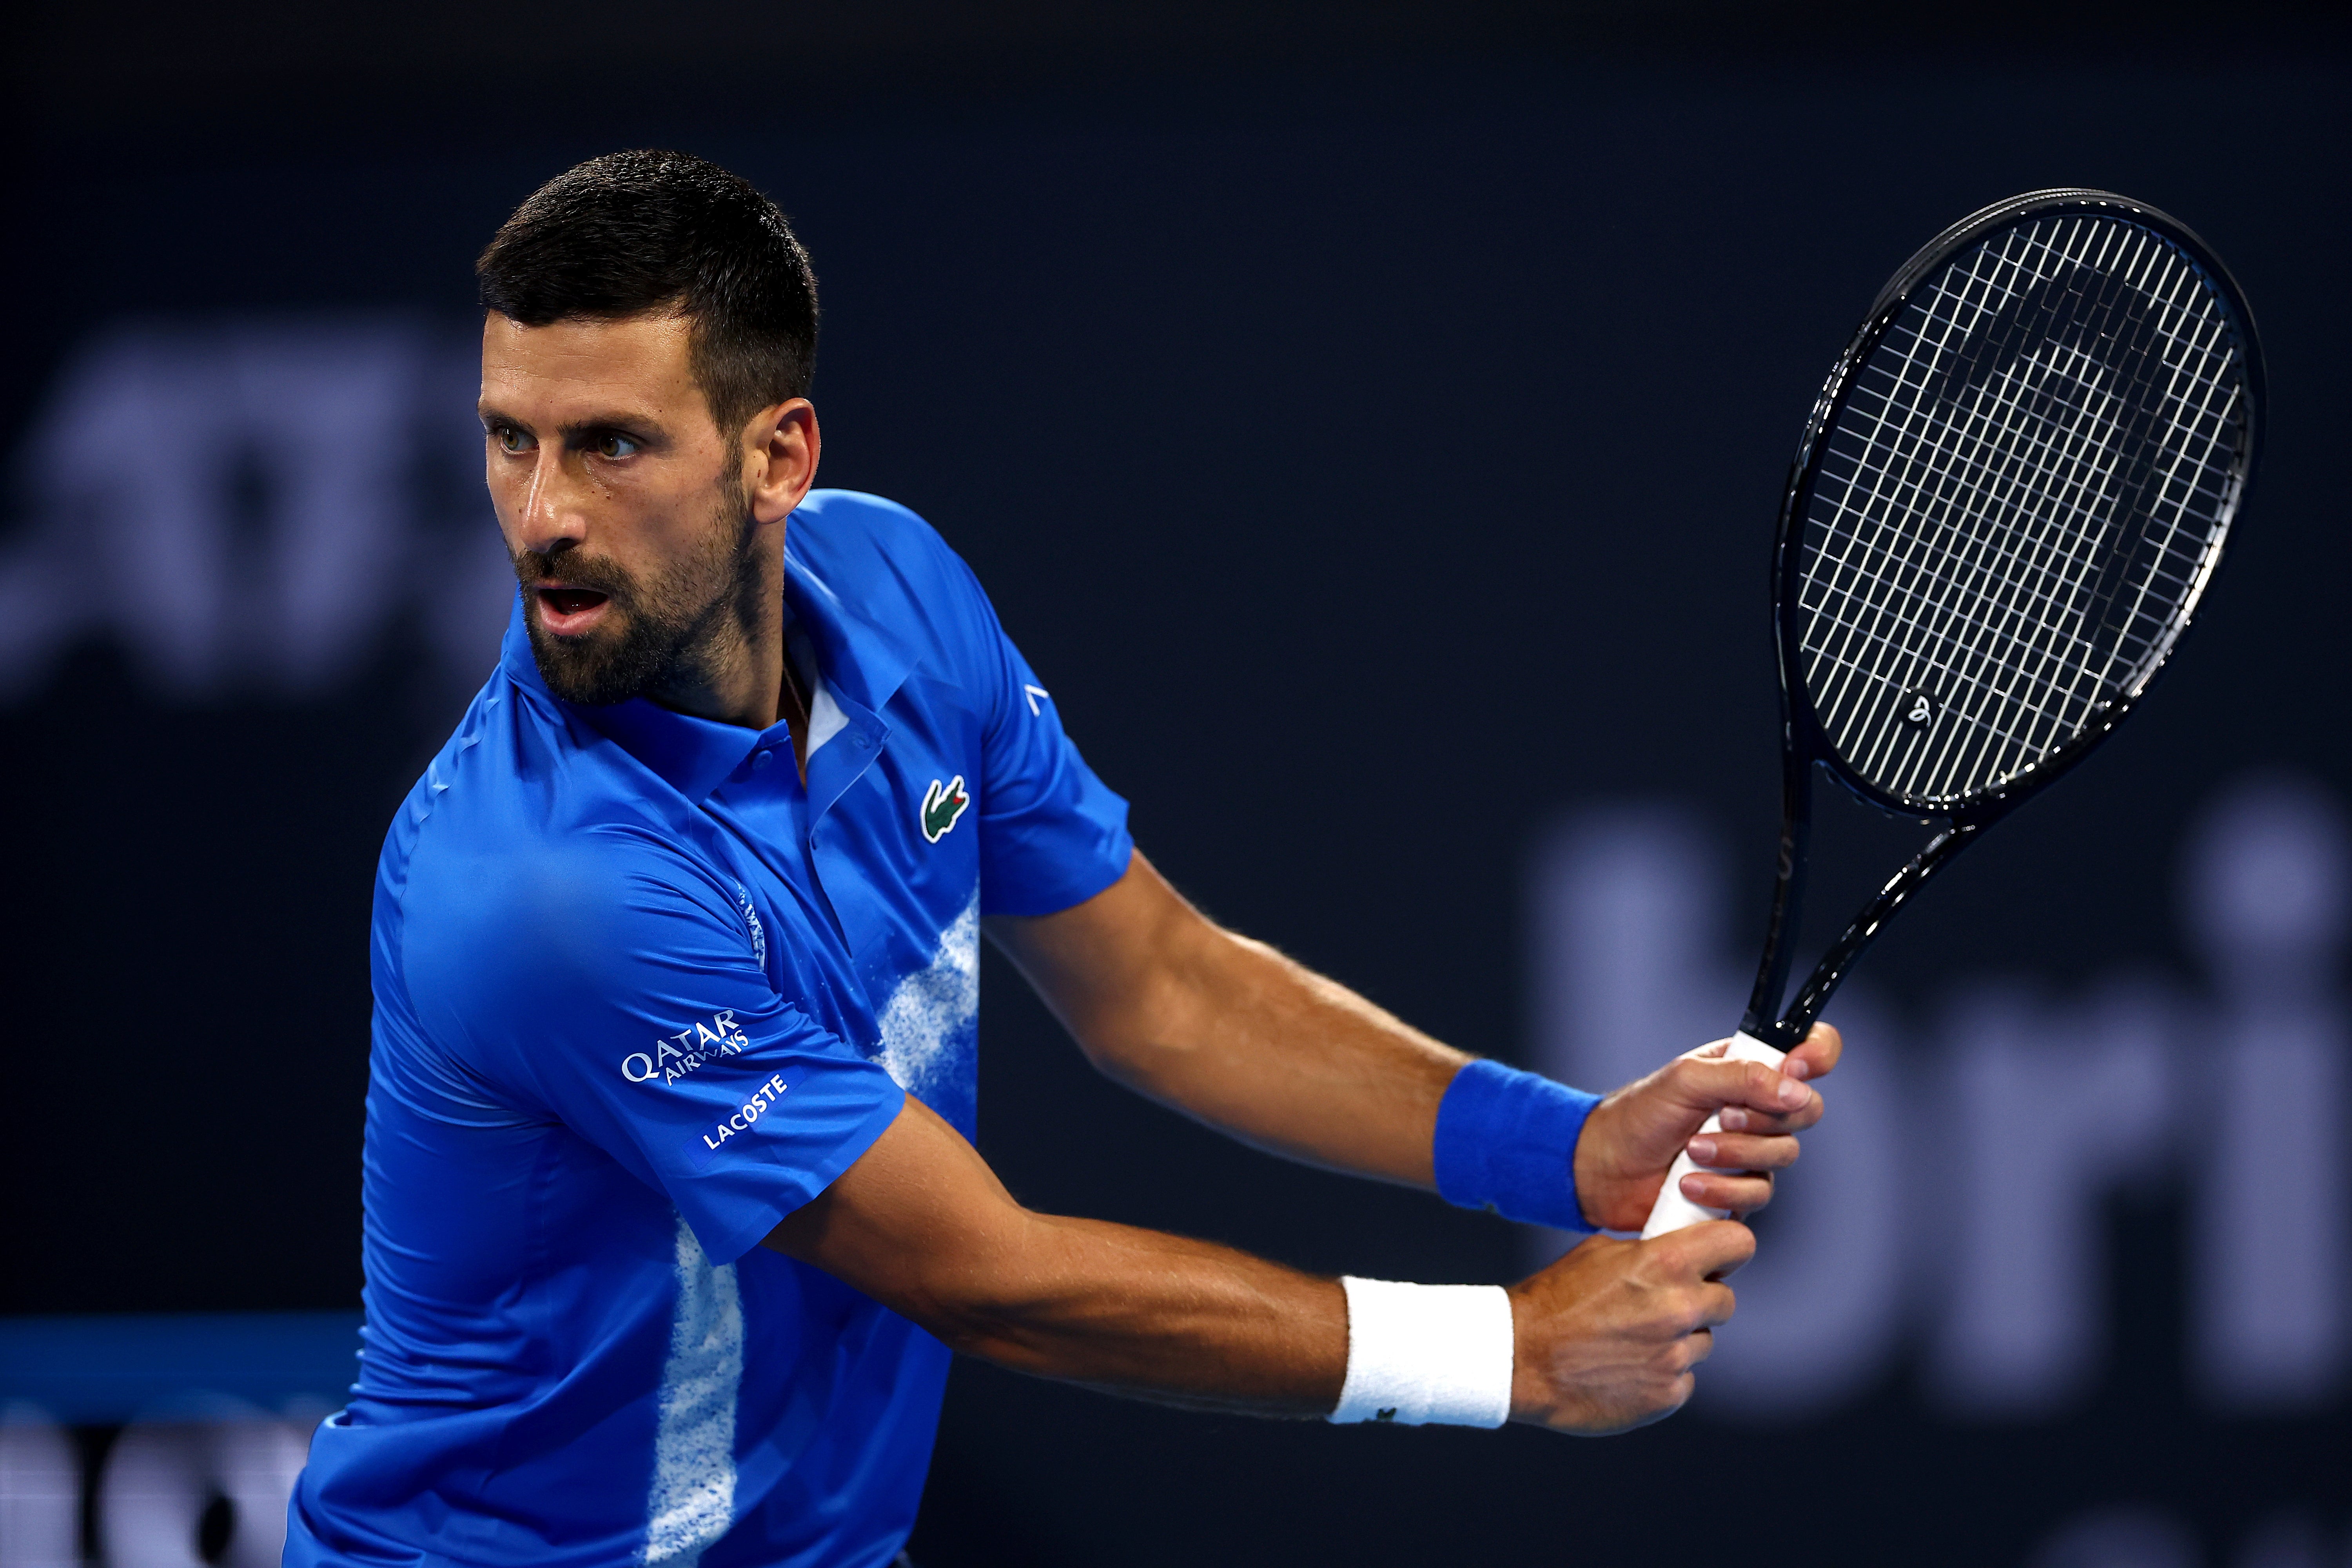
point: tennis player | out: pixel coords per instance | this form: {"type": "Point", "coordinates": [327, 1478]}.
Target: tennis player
{"type": "Point", "coordinates": [673, 1214]}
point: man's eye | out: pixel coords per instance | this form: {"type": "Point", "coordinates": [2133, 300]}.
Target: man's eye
{"type": "Point", "coordinates": [614, 447]}
{"type": "Point", "coordinates": [509, 439]}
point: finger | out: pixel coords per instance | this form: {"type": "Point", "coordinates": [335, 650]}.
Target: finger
{"type": "Point", "coordinates": [1739, 1118]}
{"type": "Point", "coordinates": [1751, 1084]}
{"type": "Point", "coordinates": [1818, 1054]}
{"type": "Point", "coordinates": [1737, 1194]}
{"type": "Point", "coordinates": [1717, 1307]}
{"type": "Point", "coordinates": [1714, 1246]}
{"type": "Point", "coordinates": [1743, 1152]}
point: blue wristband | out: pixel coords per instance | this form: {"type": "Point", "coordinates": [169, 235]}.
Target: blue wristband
{"type": "Point", "coordinates": [1506, 1142]}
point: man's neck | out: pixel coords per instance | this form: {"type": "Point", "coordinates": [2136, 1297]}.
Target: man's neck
{"type": "Point", "coordinates": [795, 701]}
{"type": "Point", "coordinates": [740, 677]}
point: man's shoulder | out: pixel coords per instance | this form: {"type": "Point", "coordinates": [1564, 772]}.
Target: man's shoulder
{"type": "Point", "coordinates": [505, 905]}
{"type": "Point", "coordinates": [521, 818]}
{"type": "Point", "coordinates": [870, 549]}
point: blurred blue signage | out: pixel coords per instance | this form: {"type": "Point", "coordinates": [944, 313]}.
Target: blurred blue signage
{"type": "Point", "coordinates": [111, 1368]}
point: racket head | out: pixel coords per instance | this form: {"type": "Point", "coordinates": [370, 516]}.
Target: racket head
{"type": "Point", "coordinates": [2010, 499]}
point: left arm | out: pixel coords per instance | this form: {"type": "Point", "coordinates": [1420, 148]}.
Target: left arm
{"type": "Point", "coordinates": [1232, 1033]}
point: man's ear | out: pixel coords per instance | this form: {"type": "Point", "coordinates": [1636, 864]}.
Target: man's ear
{"type": "Point", "coordinates": [781, 446]}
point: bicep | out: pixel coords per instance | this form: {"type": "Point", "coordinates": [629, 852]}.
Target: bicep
{"type": "Point", "coordinates": [1113, 968]}
{"type": "Point", "coordinates": [919, 1222]}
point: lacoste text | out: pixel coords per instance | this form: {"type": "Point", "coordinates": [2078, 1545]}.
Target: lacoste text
{"type": "Point", "coordinates": [766, 1095]}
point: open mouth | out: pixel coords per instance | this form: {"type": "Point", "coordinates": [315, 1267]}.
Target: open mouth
{"type": "Point", "coordinates": [570, 610]}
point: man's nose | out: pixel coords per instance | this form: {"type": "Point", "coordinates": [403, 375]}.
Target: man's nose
{"type": "Point", "coordinates": [552, 513]}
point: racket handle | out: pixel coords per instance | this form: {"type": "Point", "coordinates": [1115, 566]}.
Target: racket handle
{"type": "Point", "coordinates": [1673, 1211]}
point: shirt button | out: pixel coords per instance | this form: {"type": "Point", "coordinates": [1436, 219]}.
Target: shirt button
{"type": "Point", "coordinates": [761, 759]}
{"type": "Point", "coordinates": [863, 743]}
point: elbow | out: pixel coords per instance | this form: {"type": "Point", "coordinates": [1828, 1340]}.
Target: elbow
{"type": "Point", "coordinates": [1156, 1066]}
{"type": "Point", "coordinates": [1163, 1037]}
{"type": "Point", "coordinates": [993, 1327]}
{"type": "Point", "coordinates": [1012, 1299]}
{"type": "Point", "coordinates": [1125, 1058]}
{"type": "Point", "coordinates": [972, 1292]}
{"type": "Point", "coordinates": [987, 1337]}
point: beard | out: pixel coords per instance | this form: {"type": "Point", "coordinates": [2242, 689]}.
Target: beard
{"type": "Point", "coordinates": [671, 622]}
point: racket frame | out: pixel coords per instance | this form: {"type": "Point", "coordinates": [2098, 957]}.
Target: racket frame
{"type": "Point", "coordinates": [1803, 743]}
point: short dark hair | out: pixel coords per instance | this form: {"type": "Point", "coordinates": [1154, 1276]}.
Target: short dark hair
{"type": "Point", "coordinates": [633, 233]}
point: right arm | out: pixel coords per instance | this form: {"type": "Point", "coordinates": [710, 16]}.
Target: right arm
{"type": "Point", "coordinates": [1605, 1339]}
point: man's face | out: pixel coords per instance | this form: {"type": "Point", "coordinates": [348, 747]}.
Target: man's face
{"type": "Point", "coordinates": [623, 508]}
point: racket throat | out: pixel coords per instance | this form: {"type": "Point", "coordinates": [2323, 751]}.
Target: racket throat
{"type": "Point", "coordinates": [1786, 1031]}
{"type": "Point", "coordinates": [1762, 1019]}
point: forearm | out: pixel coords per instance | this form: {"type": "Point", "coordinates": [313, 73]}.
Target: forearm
{"type": "Point", "coordinates": [1232, 1033]}
{"type": "Point", "coordinates": [926, 1229]}
{"type": "Point", "coordinates": [1283, 1058]}
{"type": "Point", "coordinates": [1141, 1312]}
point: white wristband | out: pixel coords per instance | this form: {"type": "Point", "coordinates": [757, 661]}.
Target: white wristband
{"type": "Point", "coordinates": [1419, 1355]}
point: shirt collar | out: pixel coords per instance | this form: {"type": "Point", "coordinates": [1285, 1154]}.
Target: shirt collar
{"type": "Point", "coordinates": [859, 656]}
{"type": "Point", "coordinates": [695, 756]}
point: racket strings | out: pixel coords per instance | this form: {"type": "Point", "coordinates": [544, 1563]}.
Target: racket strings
{"type": "Point", "coordinates": [2037, 586]}
{"type": "Point", "coordinates": [2018, 504]}
{"type": "Point", "coordinates": [2059, 583]}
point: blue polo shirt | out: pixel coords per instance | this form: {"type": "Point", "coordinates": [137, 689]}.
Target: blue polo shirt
{"type": "Point", "coordinates": [639, 995]}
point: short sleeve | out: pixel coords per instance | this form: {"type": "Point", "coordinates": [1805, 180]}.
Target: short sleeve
{"type": "Point", "coordinates": [1052, 834]}
{"type": "Point", "coordinates": [617, 991]}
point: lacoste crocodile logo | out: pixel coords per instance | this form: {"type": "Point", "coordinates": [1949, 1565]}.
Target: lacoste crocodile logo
{"type": "Point", "coordinates": [942, 806]}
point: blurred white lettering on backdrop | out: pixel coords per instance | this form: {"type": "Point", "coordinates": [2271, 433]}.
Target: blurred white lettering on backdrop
{"type": "Point", "coordinates": [247, 504]}
{"type": "Point", "coordinates": [1953, 1204]}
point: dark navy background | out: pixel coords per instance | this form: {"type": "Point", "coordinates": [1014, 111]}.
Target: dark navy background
{"type": "Point", "coordinates": [1370, 429]}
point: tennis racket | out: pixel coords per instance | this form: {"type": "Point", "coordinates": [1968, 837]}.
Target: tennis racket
{"type": "Point", "coordinates": [2007, 503]}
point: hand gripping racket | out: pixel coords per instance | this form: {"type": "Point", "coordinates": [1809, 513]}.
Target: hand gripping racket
{"type": "Point", "coordinates": [2009, 499]}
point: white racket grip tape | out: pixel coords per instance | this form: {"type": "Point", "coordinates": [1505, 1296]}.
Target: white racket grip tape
{"type": "Point", "coordinates": [1673, 1211]}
